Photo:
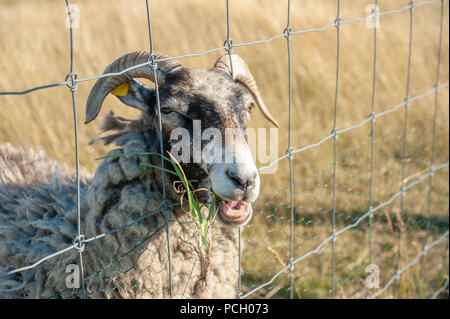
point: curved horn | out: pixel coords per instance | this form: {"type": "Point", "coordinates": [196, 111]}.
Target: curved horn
{"type": "Point", "coordinates": [243, 76]}
{"type": "Point", "coordinates": [105, 85]}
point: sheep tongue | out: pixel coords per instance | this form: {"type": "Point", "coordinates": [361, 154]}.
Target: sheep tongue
{"type": "Point", "coordinates": [235, 209]}
{"type": "Point", "coordinates": [235, 204]}
{"type": "Point", "coordinates": [234, 213]}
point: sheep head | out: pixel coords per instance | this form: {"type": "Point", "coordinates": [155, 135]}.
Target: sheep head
{"type": "Point", "coordinates": [210, 108]}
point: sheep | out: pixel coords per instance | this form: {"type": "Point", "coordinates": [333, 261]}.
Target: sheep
{"type": "Point", "coordinates": [38, 196]}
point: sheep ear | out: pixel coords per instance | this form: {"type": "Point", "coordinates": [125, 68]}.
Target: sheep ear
{"type": "Point", "coordinates": [135, 94]}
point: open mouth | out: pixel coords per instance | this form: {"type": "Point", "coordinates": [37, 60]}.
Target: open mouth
{"type": "Point", "coordinates": [234, 213]}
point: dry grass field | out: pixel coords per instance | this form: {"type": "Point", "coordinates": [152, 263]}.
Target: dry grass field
{"type": "Point", "coordinates": [34, 50]}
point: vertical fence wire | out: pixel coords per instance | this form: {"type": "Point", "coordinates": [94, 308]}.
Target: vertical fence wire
{"type": "Point", "coordinates": [79, 240]}
{"type": "Point", "coordinates": [400, 221]}
{"type": "Point", "coordinates": [433, 145]}
{"type": "Point", "coordinates": [288, 36]}
{"type": "Point", "coordinates": [229, 42]}
{"type": "Point", "coordinates": [228, 45]}
{"type": "Point", "coordinates": [165, 207]}
{"type": "Point", "coordinates": [372, 127]}
{"type": "Point", "coordinates": [71, 81]}
{"type": "Point", "coordinates": [335, 136]}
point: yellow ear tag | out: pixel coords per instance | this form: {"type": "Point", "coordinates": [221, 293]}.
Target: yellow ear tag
{"type": "Point", "coordinates": [121, 90]}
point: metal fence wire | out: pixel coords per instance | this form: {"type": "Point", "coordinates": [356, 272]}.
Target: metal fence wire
{"type": "Point", "coordinates": [316, 264]}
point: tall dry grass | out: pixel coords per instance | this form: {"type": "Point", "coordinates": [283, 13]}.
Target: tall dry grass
{"type": "Point", "coordinates": [34, 46]}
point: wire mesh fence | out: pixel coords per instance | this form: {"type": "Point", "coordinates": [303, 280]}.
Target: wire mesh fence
{"type": "Point", "coordinates": [316, 237]}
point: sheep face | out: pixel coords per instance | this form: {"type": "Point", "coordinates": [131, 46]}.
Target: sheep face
{"type": "Point", "coordinates": [204, 117]}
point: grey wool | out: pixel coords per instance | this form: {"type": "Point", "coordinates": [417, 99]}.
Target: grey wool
{"type": "Point", "coordinates": [38, 217]}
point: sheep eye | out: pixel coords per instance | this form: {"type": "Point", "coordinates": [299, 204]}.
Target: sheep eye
{"type": "Point", "coordinates": [250, 106]}
{"type": "Point", "coordinates": [166, 110]}
{"type": "Point", "coordinates": [169, 110]}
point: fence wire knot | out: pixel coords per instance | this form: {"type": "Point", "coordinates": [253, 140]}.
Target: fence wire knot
{"type": "Point", "coordinates": [411, 5]}
{"type": "Point", "coordinates": [402, 189]}
{"type": "Point", "coordinates": [406, 101]}
{"type": "Point", "coordinates": [228, 44]}
{"type": "Point", "coordinates": [437, 87]}
{"type": "Point", "coordinates": [334, 133]}
{"type": "Point", "coordinates": [291, 264]}
{"type": "Point", "coordinates": [338, 22]}
{"type": "Point", "coordinates": [72, 85]}
{"type": "Point", "coordinates": [152, 59]}
{"type": "Point", "coordinates": [80, 243]}
{"type": "Point", "coordinates": [288, 33]}
{"type": "Point", "coordinates": [432, 171]}
{"type": "Point", "coordinates": [333, 235]}
{"type": "Point", "coordinates": [290, 153]}
{"type": "Point", "coordinates": [165, 207]}
{"type": "Point", "coordinates": [374, 14]}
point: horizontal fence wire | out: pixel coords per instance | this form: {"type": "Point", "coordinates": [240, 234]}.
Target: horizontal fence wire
{"type": "Point", "coordinates": [99, 236]}
{"type": "Point", "coordinates": [358, 125]}
{"type": "Point", "coordinates": [396, 277]}
{"type": "Point", "coordinates": [355, 224]}
{"type": "Point", "coordinates": [440, 290]}
{"type": "Point", "coordinates": [72, 80]}
{"type": "Point", "coordinates": [343, 22]}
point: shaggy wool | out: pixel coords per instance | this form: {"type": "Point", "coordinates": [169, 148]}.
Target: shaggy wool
{"type": "Point", "coordinates": [38, 217]}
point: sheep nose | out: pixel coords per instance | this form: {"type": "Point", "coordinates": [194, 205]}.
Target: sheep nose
{"type": "Point", "coordinates": [243, 181]}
